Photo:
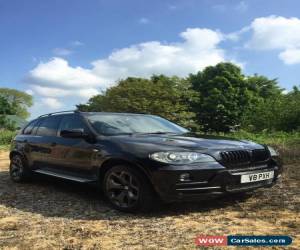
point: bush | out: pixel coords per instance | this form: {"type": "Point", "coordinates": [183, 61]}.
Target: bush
{"type": "Point", "coordinates": [6, 136]}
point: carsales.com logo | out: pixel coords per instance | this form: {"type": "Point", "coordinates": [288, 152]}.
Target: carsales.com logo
{"type": "Point", "coordinates": [204, 240]}
{"type": "Point", "coordinates": [238, 240]}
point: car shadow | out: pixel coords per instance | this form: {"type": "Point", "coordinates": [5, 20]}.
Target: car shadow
{"type": "Point", "coordinates": [52, 197]}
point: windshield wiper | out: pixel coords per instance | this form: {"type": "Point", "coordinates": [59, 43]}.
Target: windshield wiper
{"type": "Point", "coordinates": [158, 133]}
{"type": "Point", "coordinates": [123, 133]}
{"type": "Point", "coordinates": [144, 133]}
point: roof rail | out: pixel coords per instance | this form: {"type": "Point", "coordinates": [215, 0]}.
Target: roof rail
{"type": "Point", "coordinates": [60, 112]}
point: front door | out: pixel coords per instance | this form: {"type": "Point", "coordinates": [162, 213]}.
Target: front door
{"type": "Point", "coordinates": [74, 155]}
{"type": "Point", "coordinates": [43, 142]}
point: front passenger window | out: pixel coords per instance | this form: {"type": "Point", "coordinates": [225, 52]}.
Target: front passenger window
{"type": "Point", "coordinates": [49, 126]}
{"type": "Point", "coordinates": [71, 122]}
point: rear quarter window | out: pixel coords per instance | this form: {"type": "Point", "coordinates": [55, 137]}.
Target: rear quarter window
{"type": "Point", "coordinates": [29, 127]}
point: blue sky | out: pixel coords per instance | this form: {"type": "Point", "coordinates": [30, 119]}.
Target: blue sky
{"type": "Point", "coordinates": [63, 52]}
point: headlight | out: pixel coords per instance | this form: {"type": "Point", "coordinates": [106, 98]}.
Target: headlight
{"type": "Point", "coordinates": [272, 151]}
{"type": "Point", "coordinates": [181, 157]}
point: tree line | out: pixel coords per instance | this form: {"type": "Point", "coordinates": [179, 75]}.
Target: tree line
{"type": "Point", "coordinates": [217, 99]}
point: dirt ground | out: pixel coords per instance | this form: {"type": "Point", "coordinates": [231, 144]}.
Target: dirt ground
{"type": "Point", "coordinates": [54, 214]}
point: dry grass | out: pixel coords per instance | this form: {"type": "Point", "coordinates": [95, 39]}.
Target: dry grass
{"type": "Point", "coordinates": [53, 214]}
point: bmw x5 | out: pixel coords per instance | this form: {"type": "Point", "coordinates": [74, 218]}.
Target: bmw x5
{"type": "Point", "coordinates": [138, 159]}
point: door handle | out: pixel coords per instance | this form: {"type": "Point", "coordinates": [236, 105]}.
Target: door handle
{"type": "Point", "coordinates": [53, 144]}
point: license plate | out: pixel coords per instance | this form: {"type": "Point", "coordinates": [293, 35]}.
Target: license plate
{"type": "Point", "coordinates": [245, 178]}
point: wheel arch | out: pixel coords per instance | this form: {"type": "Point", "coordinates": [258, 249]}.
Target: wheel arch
{"type": "Point", "coordinates": [109, 163]}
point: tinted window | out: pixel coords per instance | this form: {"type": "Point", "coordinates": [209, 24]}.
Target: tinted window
{"type": "Point", "coordinates": [29, 128]}
{"type": "Point", "coordinates": [49, 126]}
{"type": "Point", "coordinates": [70, 122]}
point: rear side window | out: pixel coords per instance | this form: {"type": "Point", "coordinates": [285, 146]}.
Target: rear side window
{"type": "Point", "coordinates": [49, 126]}
{"type": "Point", "coordinates": [29, 128]}
{"type": "Point", "coordinates": [70, 122]}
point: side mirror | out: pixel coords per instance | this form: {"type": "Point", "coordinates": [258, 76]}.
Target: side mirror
{"type": "Point", "coordinates": [74, 133]}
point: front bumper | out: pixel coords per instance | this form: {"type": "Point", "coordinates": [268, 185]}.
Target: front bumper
{"type": "Point", "coordinates": [208, 181]}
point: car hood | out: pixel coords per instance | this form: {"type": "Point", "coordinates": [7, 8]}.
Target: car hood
{"type": "Point", "coordinates": [189, 141]}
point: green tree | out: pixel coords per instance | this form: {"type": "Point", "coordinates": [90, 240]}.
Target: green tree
{"type": "Point", "coordinates": [19, 101]}
{"type": "Point", "coordinates": [94, 104]}
{"type": "Point", "coordinates": [168, 97]}
{"type": "Point", "coordinates": [264, 115]}
{"type": "Point", "coordinates": [262, 112]}
{"type": "Point", "coordinates": [263, 86]}
{"type": "Point", "coordinates": [224, 96]}
{"type": "Point", "coordinates": [5, 109]}
{"type": "Point", "coordinates": [290, 112]}
{"type": "Point", "coordinates": [277, 112]}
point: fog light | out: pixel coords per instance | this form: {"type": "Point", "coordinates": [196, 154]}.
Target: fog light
{"type": "Point", "coordinates": [184, 177]}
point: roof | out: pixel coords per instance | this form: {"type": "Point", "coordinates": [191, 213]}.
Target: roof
{"type": "Point", "coordinates": [77, 111]}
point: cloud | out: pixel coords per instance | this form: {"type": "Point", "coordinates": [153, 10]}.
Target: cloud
{"type": "Point", "coordinates": [277, 33]}
{"type": "Point", "coordinates": [50, 91]}
{"type": "Point", "coordinates": [62, 52]}
{"type": "Point", "coordinates": [290, 56]}
{"type": "Point", "coordinates": [144, 20]}
{"type": "Point", "coordinates": [29, 92]}
{"type": "Point", "coordinates": [56, 78]}
{"type": "Point", "coordinates": [60, 92]}
{"type": "Point", "coordinates": [52, 103]}
{"type": "Point", "coordinates": [58, 73]}
{"type": "Point", "coordinates": [198, 49]}
{"type": "Point", "coordinates": [235, 36]}
{"type": "Point", "coordinates": [87, 93]}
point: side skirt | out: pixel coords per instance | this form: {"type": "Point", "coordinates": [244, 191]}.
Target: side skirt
{"type": "Point", "coordinates": [65, 176]}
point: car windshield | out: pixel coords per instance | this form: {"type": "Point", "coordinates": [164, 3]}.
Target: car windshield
{"type": "Point", "coordinates": [116, 124]}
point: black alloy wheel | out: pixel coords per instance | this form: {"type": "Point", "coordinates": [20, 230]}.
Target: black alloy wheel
{"type": "Point", "coordinates": [127, 189]}
{"type": "Point", "coordinates": [123, 188]}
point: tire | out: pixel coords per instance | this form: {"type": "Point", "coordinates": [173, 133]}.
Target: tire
{"type": "Point", "coordinates": [18, 169]}
{"type": "Point", "coordinates": [128, 190]}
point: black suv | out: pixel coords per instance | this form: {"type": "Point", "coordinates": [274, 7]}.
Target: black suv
{"type": "Point", "coordinates": [138, 158]}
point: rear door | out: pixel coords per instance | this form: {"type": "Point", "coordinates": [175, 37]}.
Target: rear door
{"type": "Point", "coordinates": [74, 155]}
{"type": "Point", "coordinates": [45, 141]}
{"type": "Point", "coordinates": [26, 140]}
